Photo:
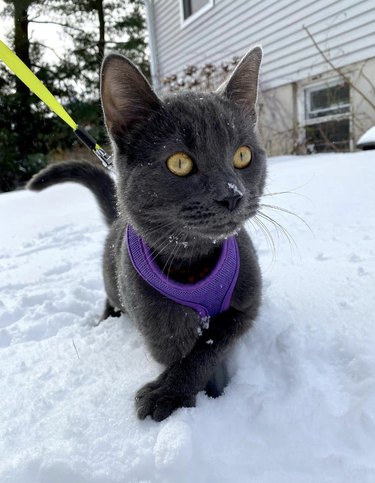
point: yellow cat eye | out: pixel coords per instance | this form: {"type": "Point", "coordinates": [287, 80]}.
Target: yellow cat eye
{"type": "Point", "coordinates": [180, 164]}
{"type": "Point", "coordinates": [242, 157]}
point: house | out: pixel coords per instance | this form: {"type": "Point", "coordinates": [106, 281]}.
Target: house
{"type": "Point", "coordinates": [318, 73]}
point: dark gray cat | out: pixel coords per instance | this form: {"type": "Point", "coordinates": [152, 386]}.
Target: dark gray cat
{"type": "Point", "coordinates": [190, 172]}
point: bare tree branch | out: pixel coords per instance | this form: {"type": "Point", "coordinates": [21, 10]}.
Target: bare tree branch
{"type": "Point", "coordinates": [368, 81]}
{"type": "Point", "coordinates": [337, 69]}
{"type": "Point", "coordinates": [328, 141]}
{"type": "Point", "coordinates": [58, 23]}
{"type": "Point", "coordinates": [47, 47]}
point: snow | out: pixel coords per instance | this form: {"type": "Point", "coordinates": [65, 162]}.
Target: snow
{"type": "Point", "coordinates": [300, 407]}
{"type": "Point", "coordinates": [235, 189]}
{"type": "Point", "coordinates": [367, 139]}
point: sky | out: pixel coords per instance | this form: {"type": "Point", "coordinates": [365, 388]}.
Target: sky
{"type": "Point", "coordinates": [48, 34]}
{"type": "Point", "coordinates": [3, 29]}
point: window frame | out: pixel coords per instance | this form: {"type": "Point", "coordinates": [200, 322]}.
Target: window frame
{"type": "Point", "coordinates": [187, 21]}
{"type": "Point", "coordinates": [318, 87]}
{"type": "Point", "coordinates": [310, 86]}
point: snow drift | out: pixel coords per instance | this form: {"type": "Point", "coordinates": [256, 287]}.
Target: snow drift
{"type": "Point", "coordinates": [301, 404]}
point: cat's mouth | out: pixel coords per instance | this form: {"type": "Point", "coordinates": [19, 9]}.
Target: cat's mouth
{"type": "Point", "coordinates": [218, 226]}
{"type": "Point", "coordinates": [216, 231]}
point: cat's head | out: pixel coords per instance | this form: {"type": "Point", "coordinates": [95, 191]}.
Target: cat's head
{"type": "Point", "coordinates": [190, 166]}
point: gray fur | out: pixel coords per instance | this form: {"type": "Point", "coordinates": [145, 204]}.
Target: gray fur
{"type": "Point", "coordinates": [183, 219]}
{"type": "Point", "coordinates": [92, 176]}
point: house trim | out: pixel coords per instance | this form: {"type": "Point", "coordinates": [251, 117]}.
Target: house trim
{"type": "Point", "coordinates": [150, 21]}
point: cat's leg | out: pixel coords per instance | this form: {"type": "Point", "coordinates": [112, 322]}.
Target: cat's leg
{"type": "Point", "coordinates": [109, 311]}
{"type": "Point", "coordinates": [217, 381]}
{"type": "Point", "coordinates": [178, 385]}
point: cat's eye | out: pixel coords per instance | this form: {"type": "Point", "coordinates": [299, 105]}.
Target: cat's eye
{"type": "Point", "coordinates": [242, 157]}
{"type": "Point", "coordinates": [180, 164]}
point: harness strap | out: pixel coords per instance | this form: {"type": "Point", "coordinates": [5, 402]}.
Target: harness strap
{"type": "Point", "coordinates": [209, 296]}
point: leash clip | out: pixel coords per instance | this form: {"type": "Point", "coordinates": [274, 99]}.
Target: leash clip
{"type": "Point", "coordinates": [104, 157]}
{"type": "Point", "coordinates": [90, 142]}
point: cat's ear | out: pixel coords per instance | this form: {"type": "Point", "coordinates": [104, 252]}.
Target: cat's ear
{"type": "Point", "coordinates": [242, 85]}
{"type": "Point", "coordinates": [127, 97]}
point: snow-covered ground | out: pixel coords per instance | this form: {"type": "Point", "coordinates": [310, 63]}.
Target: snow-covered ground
{"type": "Point", "coordinates": [301, 404]}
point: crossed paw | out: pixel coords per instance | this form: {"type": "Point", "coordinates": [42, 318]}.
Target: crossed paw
{"type": "Point", "coordinates": [160, 398]}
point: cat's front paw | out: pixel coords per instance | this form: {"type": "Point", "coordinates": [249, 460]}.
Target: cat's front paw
{"type": "Point", "coordinates": [158, 400]}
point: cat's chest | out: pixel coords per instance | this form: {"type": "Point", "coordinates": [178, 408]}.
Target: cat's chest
{"type": "Point", "coordinates": [170, 329]}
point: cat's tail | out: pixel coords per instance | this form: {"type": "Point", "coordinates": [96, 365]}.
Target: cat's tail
{"type": "Point", "coordinates": [93, 177]}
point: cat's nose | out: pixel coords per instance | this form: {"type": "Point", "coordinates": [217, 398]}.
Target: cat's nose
{"type": "Point", "coordinates": [230, 201]}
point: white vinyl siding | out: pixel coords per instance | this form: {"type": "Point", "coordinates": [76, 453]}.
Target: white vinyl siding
{"type": "Point", "coordinates": [344, 29]}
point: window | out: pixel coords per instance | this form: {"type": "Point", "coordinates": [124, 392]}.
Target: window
{"type": "Point", "coordinates": [192, 9]}
{"type": "Point", "coordinates": [327, 117]}
{"type": "Point", "coordinates": [328, 136]}
{"type": "Point", "coordinates": [326, 101]}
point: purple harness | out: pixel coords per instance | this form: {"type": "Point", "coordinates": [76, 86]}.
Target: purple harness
{"type": "Point", "coordinates": [209, 297]}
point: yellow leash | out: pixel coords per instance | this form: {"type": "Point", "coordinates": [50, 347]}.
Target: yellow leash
{"type": "Point", "coordinates": [16, 65]}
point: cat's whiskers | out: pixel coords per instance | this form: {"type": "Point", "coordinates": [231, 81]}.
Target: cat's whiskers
{"type": "Point", "coordinates": [292, 191]}
{"type": "Point", "coordinates": [192, 251]}
{"type": "Point", "coordinates": [159, 226]}
{"type": "Point", "coordinates": [277, 193]}
{"type": "Point", "coordinates": [174, 252]}
{"type": "Point", "coordinates": [164, 238]}
{"type": "Point", "coordinates": [171, 255]}
{"type": "Point", "coordinates": [267, 234]}
{"type": "Point", "coordinates": [284, 210]}
{"type": "Point", "coordinates": [282, 229]}
{"type": "Point", "coordinates": [165, 241]}
{"type": "Point", "coordinates": [276, 224]}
